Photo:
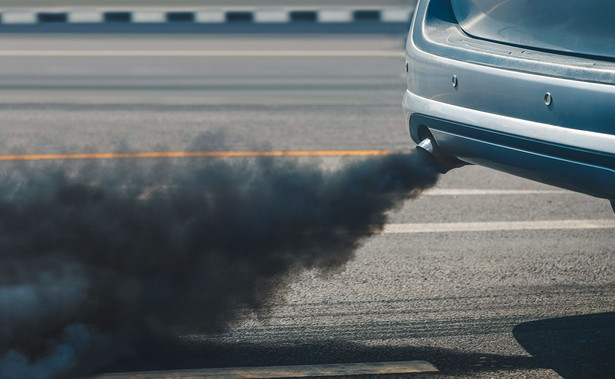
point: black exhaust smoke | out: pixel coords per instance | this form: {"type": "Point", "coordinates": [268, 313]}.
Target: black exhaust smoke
{"type": "Point", "coordinates": [94, 258]}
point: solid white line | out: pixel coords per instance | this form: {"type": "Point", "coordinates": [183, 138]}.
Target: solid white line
{"type": "Point", "coordinates": [498, 226]}
{"type": "Point", "coordinates": [484, 192]}
{"type": "Point", "coordinates": [201, 53]}
{"type": "Point", "coordinates": [349, 369]}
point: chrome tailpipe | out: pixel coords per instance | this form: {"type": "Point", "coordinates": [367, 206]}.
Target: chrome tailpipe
{"type": "Point", "coordinates": [443, 162]}
{"type": "Point", "coordinates": [426, 145]}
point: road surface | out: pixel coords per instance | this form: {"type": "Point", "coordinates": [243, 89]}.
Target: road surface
{"type": "Point", "coordinates": [528, 291]}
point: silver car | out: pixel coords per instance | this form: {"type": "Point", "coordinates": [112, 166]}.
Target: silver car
{"type": "Point", "coordinates": [526, 87]}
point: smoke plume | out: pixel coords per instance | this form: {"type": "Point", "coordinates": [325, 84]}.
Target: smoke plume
{"type": "Point", "coordinates": [94, 257]}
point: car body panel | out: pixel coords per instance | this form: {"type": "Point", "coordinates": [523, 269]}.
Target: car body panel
{"type": "Point", "coordinates": [500, 91]}
{"type": "Point", "coordinates": [577, 27]}
{"type": "Point", "coordinates": [574, 169]}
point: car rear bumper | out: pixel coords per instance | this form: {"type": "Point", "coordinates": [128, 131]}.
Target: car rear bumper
{"type": "Point", "coordinates": [580, 170]}
{"type": "Point", "coordinates": [496, 114]}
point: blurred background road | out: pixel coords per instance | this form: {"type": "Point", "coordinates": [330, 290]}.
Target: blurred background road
{"type": "Point", "coordinates": [236, 16]}
{"type": "Point", "coordinates": [197, 3]}
{"type": "Point", "coordinates": [476, 303]}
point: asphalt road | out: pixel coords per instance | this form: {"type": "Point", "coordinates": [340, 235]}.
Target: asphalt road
{"type": "Point", "coordinates": [500, 303]}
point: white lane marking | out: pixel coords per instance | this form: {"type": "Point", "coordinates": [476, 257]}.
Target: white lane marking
{"type": "Point", "coordinates": [18, 17]}
{"type": "Point", "coordinates": [271, 16]}
{"type": "Point", "coordinates": [210, 17]}
{"type": "Point", "coordinates": [201, 53]}
{"type": "Point", "coordinates": [335, 15]}
{"type": "Point", "coordinates": [349, 369]}
{"type": "Point", "coordinates": [149, 17]}
{"type": "Point", "coordinates": [85, 17]}
{"type": "Point", "coordinates": [484, 192]}
{"type": "Point", "coordinates": [498, 226]}
{"type": "Point", "coordinates": [396, 15]}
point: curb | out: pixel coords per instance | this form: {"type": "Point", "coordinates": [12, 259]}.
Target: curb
{"type": "Point", "coordinates": [206, 16]}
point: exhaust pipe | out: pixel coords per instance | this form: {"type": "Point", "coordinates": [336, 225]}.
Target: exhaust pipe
{"type": "Point", "coordinates": [426, 145]}
{"type": "Point", "coordinates": [443, 162]}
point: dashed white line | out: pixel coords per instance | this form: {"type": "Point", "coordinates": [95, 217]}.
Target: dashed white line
{"type": "Point", "coordinates": [498, 226]}
{"type": "Point", "coordinates": [396, 15]}
{"type": "Point", "coordinates": [148, 17]}
{"type": "Point", "coordinates": [271, 16]}
{"type": "Point", "coordinates": [210, 17]}
{"type": "Point", "coordinates": [85, 16]}
{"type": "Point", "coordinates": [334, 15]}
{"type": "Point", "coordinates": [18, 17]}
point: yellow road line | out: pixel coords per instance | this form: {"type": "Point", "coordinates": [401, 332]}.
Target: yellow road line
{"type": "Point", "coordinates": [188, 154]}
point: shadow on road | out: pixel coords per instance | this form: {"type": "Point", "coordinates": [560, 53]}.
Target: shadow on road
{"type": "Point", "coordinates": [574, 347]}
{"type": "Point", "coordinates": [162, 356]}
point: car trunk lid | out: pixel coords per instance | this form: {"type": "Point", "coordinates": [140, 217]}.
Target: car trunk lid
{"type": "Point", "coordinates": [574, 27]}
